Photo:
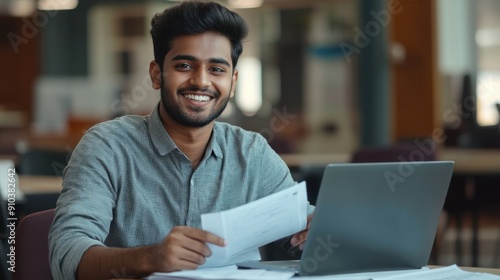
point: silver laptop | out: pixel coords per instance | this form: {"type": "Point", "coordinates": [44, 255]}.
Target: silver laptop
{"type": "Point", "coordinates": [372, 217]}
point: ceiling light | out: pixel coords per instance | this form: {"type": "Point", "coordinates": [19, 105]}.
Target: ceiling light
{"type": "Point", "coordinates": [57, 4]}
{"type": "Point", "coordinates": [249, 88]}
{"type": "Point", "coordinates": [245, 4]}
{"type": "Point", "coordinates": [488, 37]}
{"type": "Point", "coordinates": [21, 8]}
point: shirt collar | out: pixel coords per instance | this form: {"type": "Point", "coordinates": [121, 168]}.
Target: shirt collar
{"type": "Point", "coordinates": [164, 143]}
{"type": "Point", "coordinates": [215, 142]}
{"type": "Point", "coordinates": [159, 136]}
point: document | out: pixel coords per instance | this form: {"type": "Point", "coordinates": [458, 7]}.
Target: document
{"type": "Point", "coordinates": [222, 273]}
{"type": "Point", "coordinates": [247, 227]}
{"type": "Point", "coordinates": [442, 273]}
{"type": "Point", "coordinates": [230, 272]}
{"type": "Point", "coordinates": [452, 272]}
{"type": "Point", "coordinates": [361, 275]}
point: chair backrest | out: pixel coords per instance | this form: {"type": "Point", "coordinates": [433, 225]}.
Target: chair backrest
{"type": "Point", "coordinates": [32, 250]}
{"type": "Point", "coordinates": [4, 266]}
{"type": "Point", "coordinates": [43, 161]}
{"type": "Point", "coordinates": [408, 151]}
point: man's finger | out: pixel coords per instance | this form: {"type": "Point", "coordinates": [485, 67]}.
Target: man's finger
{"type": "Point", "coordinates": [198, 247]}
{"type": "Point", "coordinates": [193, 257]}
{"type": "Point", "coordinates": [297, 238]}
{"type": "Point", "coordinates": [186, 265]}
{"type": "Point", "coordinates": [205, 236]}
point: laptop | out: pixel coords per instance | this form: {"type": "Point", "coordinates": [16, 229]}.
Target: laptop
{"type": "Point", "coordinates": [372, 217]}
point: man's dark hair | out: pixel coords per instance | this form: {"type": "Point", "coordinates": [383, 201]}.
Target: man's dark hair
{"type": "Point", "coordinates": [195, 17]}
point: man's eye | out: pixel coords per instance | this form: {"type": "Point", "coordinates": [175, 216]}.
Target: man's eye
{"type": "Point", "coordinates": [218, 69]}
{"type": "Point", "coordinates": [183, 66]}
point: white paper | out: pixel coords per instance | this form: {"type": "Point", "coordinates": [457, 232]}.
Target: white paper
{"type": "Point", "coordinates": [247, 227]}
{"type": "Point", "coordinates": [231, 272]}
{"type": "Point", "coordinates": [448, 272]}
{"type": "Point", "coordinates": [360, 275]}
{"type": "Point", "coordinates": [222, 273]}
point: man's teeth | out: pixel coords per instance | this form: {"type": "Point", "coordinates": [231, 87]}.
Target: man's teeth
{"type": "Point", "coordinates": [197, 97]}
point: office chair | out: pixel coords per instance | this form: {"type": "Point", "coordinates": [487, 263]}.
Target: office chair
{"type": "Point", "coordinates": [42, 161]}
{"type": "Point", "coordinates": [32, 250]}
{"type": "Point", "coordinates": [35, 161]}
{"type": "Point", "coordinates": [405, 151]}
{"type": "Point", "coordinates": [4, 233]}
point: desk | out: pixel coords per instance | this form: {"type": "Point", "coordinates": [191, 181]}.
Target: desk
{"type": "Point", "coordinates": [473, 161]}
{"type": "Point", "coordinates": [467, 161]}
{"type": "Point", "coordinates": [40, 192]}
{"type": "Point", "coordinates": [35, 185]}
{"type": "Point", "coordinates": [473, 164]}
{"type": "Point", "coordinates": [495, 271]}
{"type": "Point", "coordinates": [297, 160]}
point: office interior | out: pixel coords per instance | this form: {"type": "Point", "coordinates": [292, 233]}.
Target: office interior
{"type": "Point", "coordinates": [322, 80]}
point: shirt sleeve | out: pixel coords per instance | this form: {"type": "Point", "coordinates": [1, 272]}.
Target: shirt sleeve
{"type": "Point", "coordinates": [275, 173]}
{"type": "Point", "coordinates": [85, 207]}
{"type": "Point", "coordinates": [276, 176]}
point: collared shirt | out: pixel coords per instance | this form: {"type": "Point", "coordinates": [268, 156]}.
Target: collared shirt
{"type": "Point", "coordinates": [127, 184]}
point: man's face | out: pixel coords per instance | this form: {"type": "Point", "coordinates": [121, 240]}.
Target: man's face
{"type": "Point", "coordinates": [198, 78]}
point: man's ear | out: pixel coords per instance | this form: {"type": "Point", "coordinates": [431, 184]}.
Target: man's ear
{"type": "Point", "coordinates": [235, 80]}
{"type": "Point", "coordinates": [155, 74]}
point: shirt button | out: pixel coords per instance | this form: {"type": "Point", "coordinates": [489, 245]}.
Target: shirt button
{"type": "Point", "coordinates": [191, 182]}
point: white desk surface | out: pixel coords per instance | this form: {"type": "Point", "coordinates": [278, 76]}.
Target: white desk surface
{"type": "Point", "coordinates": [474, 161]}
{"type": "Point", "coordinates": [29, 185]}
{"type": "Point", "coordinates": [495, 271]}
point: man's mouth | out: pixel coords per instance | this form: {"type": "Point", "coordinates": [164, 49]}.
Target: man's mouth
{"type": "Point", "coordinates": [195, 97]}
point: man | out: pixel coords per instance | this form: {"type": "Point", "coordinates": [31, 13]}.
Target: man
{"type": "Point", "coordinates": [135, 187]}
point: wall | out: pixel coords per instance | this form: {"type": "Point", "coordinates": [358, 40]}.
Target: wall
{"type": "Point", "coordinates": [414, 80]}
{"type": "Point", "coordinates": [19, 56]}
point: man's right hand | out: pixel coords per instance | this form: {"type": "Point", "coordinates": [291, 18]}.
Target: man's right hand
{"type": "Point", "coordinates": [184, 248]}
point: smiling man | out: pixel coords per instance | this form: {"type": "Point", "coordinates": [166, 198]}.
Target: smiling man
{"type": "Point", "coordinates": [135, 187]}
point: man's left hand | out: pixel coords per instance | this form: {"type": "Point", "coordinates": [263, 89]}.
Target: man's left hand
{"type": "Point", "coordinates": [299, 239]}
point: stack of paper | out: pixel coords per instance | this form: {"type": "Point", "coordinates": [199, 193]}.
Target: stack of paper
{"type": "Point", "coordinates": [448, 272]}
{"type": "Point", "coordinates": [224, 273]}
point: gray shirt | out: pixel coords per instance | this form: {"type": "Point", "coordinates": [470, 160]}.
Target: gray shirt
{"type": "Point", "coordinates": [127, 184]}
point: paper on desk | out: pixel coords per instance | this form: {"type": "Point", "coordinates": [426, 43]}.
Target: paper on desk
{"type": "Point", "coordinates": [231, 272]}
{"type": "Point", "coordinates": [222, 273]}
{"type": "Point", "coordinates": [448, 272]}
{"type": "Point", "coordinates": [360, 275]}
{"type": "Point", "coordinates": [245, 228]}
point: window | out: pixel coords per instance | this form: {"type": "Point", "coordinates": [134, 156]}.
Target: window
{"type": "Point", "coordinates": [488, 56]}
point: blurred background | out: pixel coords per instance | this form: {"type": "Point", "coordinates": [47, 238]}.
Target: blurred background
{"type": "Point", "coordinates": [322, 80]}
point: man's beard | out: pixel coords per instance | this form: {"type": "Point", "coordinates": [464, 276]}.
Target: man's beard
{"type": "Point", "coordinates": [184, 118]}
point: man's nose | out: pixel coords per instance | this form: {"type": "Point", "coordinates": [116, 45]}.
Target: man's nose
{"type": "Point", "coordinates": [201, 78]}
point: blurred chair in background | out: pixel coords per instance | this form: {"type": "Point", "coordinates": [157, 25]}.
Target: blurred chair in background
{"type": "Point", "coordinates": [4, 234]}
{"type": "Point", "coordinates": [35, 161]}
{"type": "Point", "coordinates": [32, 250]}
{"type": "Point", "coordinates": [42, 161]}
{"type": "Point", "coordinates": [416, 150]}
